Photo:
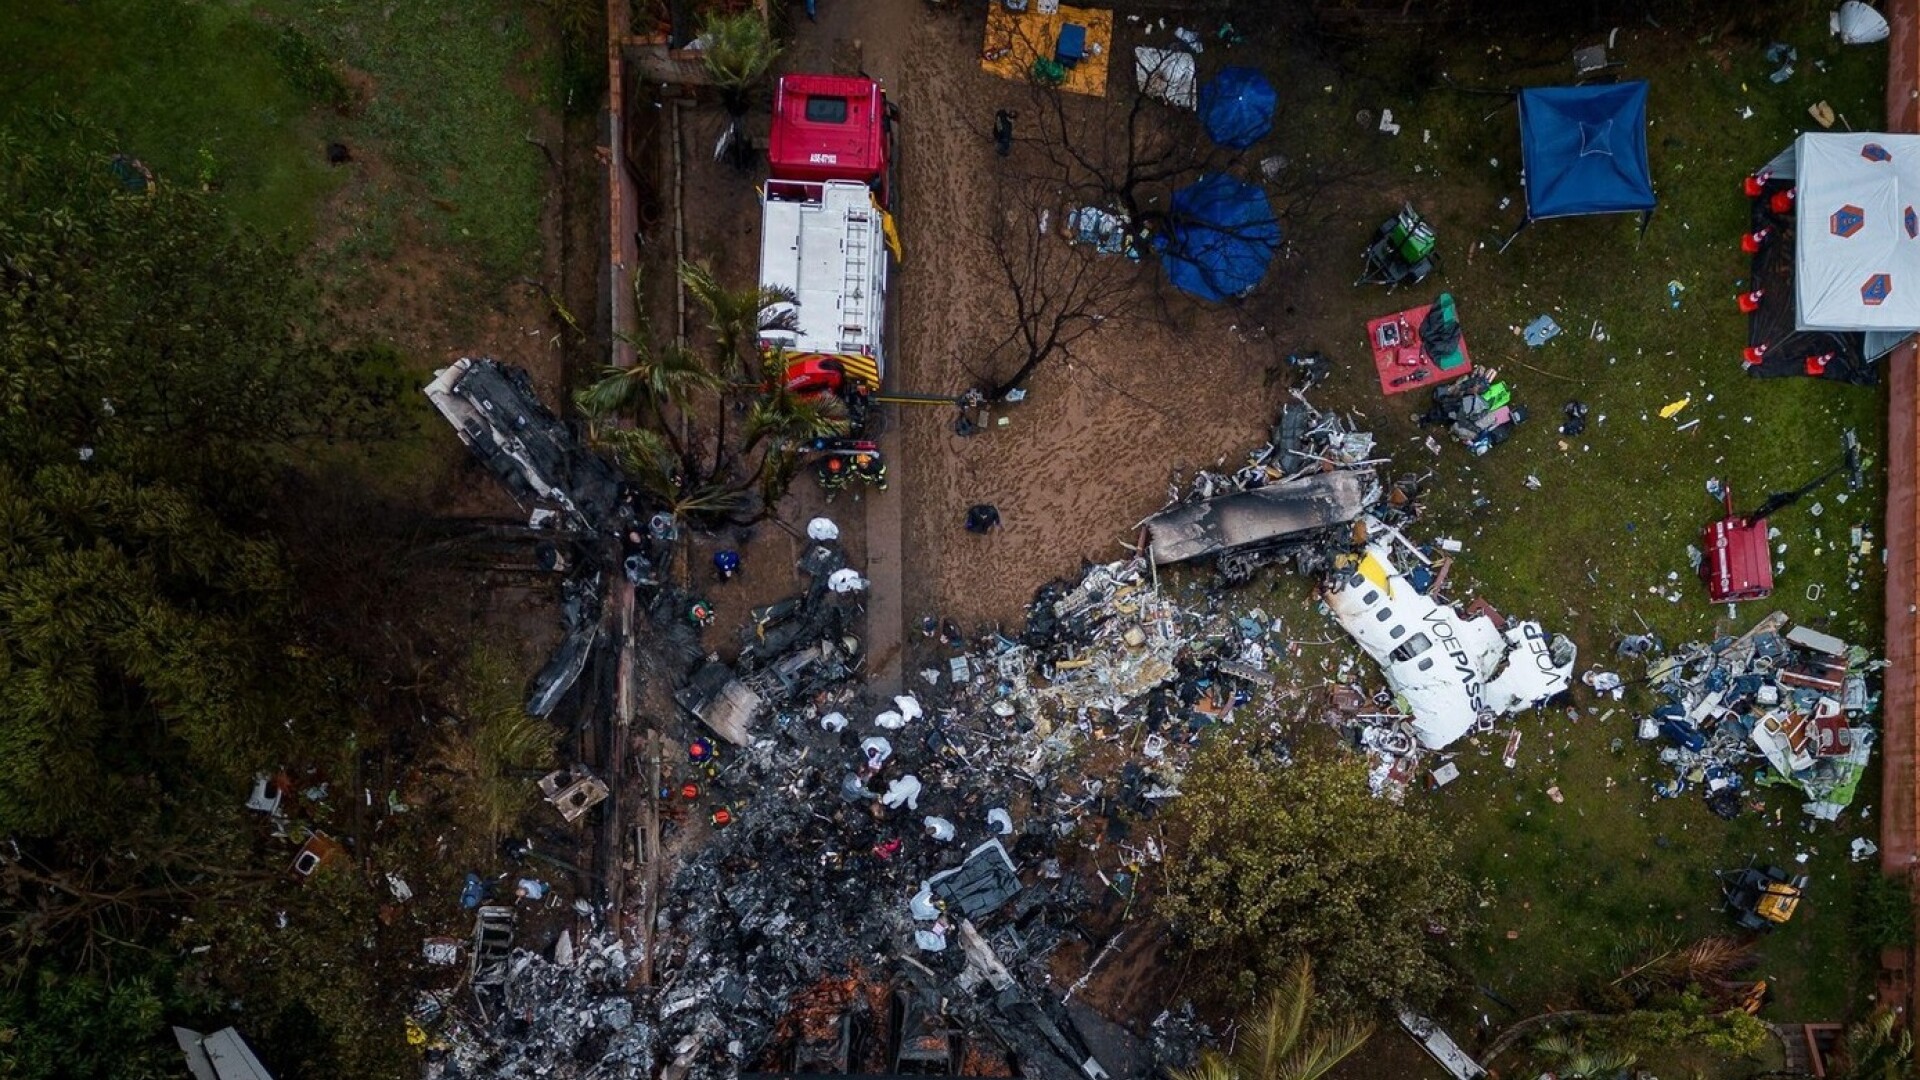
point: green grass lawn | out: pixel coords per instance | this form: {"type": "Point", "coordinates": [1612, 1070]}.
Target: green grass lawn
{"type": "Point", "coordinates": [195, 90]}
{"type": "Point", "coordinates": [243, 98]}
{"type": "Point", "coordinates": [1601, 544]}
{"type": "Point", "coordinates": [449, 92]}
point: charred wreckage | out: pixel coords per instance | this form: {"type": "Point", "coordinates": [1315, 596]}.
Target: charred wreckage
{"type": "Point", "coordinates": [862, 886]}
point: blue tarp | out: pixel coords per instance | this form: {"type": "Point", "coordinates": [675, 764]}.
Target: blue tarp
{"type": "Point", "coordinates": [1584, 149]}
{"type": "Point", "coordinates": [1237, 107]}
{"type": "Point", "coordinates": [1220, 236]}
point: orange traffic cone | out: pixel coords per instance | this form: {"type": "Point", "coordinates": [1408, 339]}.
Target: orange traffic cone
{"type": "Point", "coordinates": [1782, 201]}
{"type": "Point", "coordinates": [1753, 241]}
{"type": "Point", "coordinates": [1817, 365]}
{"type": "Point", "coordinates": [1750, 301]}
{"type": "Point", "coordinates": [1753, 354]}
{"type": "Point", "coordinates": [1756, 184]}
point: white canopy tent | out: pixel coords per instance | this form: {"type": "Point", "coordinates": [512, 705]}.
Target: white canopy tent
{"type": "Point", "coordinates": [1857, 234]}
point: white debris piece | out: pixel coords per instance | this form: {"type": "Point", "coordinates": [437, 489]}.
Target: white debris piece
{"type": "Point", "coordinates": [1448, 670]}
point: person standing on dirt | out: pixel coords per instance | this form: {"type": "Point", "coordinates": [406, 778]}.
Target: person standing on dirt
{"type": "Point", "coordinates": [982, 518]}
{"type": "Point", "coordinates": [1003, 132]}
{"type": "Point", "coordinates": [871, 469]}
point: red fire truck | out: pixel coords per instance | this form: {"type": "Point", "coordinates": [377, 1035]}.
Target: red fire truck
{"type": "Point", "coordinates": [826, 224]}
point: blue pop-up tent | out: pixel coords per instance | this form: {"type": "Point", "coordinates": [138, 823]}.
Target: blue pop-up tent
{"type": "Point", "coordinates": [1584, 151]}
{"type": "Point", "coordinates": [1220, 236]}
{"type": "Point", "coordinates": [1237, 107]}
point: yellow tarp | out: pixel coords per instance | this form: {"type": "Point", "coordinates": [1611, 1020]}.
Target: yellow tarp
{"type": "Point", "coordinates": [1015, 41]}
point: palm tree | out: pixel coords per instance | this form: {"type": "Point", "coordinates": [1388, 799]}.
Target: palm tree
{"type": "Point", "coordinates": [1277, 1042]}
{"type": "Point", "coordinates": [1573, 1059]}
{"type": "Point", "coordinates": [1877, 1048]}
{"type": "Point", "coordinates": [740, 50]}
{"type": "Point", "coordinates": [700, 474]}
{"type": "Point", "coordinates": [737, 317]}
{"type": "Point", "coordinates": [660, 379]}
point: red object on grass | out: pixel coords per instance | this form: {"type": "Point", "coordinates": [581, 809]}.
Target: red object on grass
{"type": "Point", "coordinates": [1755, 184]}
{"type": "Point", "coordinates": [1750, 301]}
{"type": "Point", "coordinates": [1739, 562]}
{"type": "Point", "coordinates": [1397, 352]}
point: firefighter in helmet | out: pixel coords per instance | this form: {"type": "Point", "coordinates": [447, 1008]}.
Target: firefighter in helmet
{"type": "Point", "coordinates": [833, 473]}
{"type": "Point", "coordinates": [871, 469]}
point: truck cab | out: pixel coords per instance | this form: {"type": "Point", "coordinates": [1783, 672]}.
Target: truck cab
{"type": "Point", "coordinates": [833, 127]}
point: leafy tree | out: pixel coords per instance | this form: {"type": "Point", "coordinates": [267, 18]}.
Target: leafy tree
{"type": "Point", "coordinates": [683, 445]}
{"type": "Point", "coordinates": [1279, 1041]}
{"type": "Point", "coordinates": [739, 53]}
{"type": "Point", "coordinates": [144, 653]}
{"type": "Point", "coordinates": [144, 328]}
{"type": "Point", "coordinates": [1272, 861]}
{"type": "Point", "coordinates": [161, 372]}
{"type": "Point", "coordinates": [55, 1026]}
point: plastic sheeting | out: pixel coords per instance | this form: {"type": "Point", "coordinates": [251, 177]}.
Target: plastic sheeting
{"type": "Point", "coordinates": [1220, 236]}
{"type": "Point", "coordinates": [1166, 75]}
{"type": "Point", "coordinates": [1237, 107]}
{"type": "Point", "coordinates": [1854, 23]}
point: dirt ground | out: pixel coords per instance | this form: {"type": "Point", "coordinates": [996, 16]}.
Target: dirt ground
{"type": "Point", "coordinates": [1091, 450]}
{"type": "Point", "coordinates": [1163, 387]}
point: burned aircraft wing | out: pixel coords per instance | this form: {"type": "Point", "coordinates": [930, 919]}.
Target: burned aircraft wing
{"type": "Point", "coordinates": [539, 460]}
{"type": "Point", "coordinates": [1274, 514]}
